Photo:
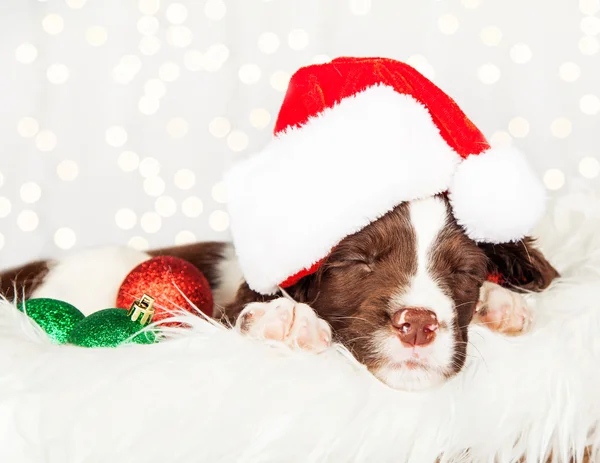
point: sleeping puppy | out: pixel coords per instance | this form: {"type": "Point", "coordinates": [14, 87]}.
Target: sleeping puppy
{"type": "Point", "coordinates": [371, 207]}
{"type": "Point", "coordinates": [399, 294]}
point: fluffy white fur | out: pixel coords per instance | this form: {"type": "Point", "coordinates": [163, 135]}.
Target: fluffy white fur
{"type": "Point", "coordinates": [313, 172]}
{"type": "Point", "coordinates": [210, 395]}
{"type": "Point", "coordinates": [90, 279]}
{"type": "Point", "coordinates": [496, 196]}
{"type": "Point", "coordinates": [428, 218]}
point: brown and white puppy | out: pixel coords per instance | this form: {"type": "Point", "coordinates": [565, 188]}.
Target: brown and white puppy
{"type": "Point", "coordinates": [399, 294]}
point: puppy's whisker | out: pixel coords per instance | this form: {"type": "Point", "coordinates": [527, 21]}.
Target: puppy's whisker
{"type": "Point", "coordinates": [353, 318]}
{"type": "Point", "coordinates": [480, 354]}
{"type": "Point", "coordinates": [494, 322]}
{"type": "Point", "coordinates": [465, 303]}
{"type": "Point", "coordinates": [478, 334]}
{"type": "Point", "coordinates": [464, 354]}
{"type": "Point", "coordinates": [357, 339]}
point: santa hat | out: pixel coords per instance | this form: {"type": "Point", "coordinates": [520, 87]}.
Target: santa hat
{"type": "Point", "coordinates": [354, 138]}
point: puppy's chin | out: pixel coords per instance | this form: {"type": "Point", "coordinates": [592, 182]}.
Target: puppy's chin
{"type": "Point", "coordinates": [416, 368]}
{"type": "Point", "coordinates": [409, 377]}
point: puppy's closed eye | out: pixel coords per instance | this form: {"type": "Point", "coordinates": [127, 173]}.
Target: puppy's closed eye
{"type": "Point", "coordinates": [354, 261]}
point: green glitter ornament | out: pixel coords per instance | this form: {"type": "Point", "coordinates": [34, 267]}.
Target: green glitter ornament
{"type": "Point", "coordinates": [56, 318]}
{"type": "Point", "coordinates": [114, 327]}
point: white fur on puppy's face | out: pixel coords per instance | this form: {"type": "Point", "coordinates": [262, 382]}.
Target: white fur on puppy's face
{"type": "Point", "coordinates": [414, 368]}
{"type": "Point", "coordinates": [419, 367]}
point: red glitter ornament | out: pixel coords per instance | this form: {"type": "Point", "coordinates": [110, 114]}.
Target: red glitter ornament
{"type": "Point", "coordinates": [169, 280]}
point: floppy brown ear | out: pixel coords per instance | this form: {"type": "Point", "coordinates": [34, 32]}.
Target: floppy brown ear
{"type": "Point", "coordinates": [520, 265]}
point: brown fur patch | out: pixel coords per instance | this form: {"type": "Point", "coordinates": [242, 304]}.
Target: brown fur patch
{"type": "Point", "coordinates": [520, 264]}
{"type": "Point", "coordinates": [19, 283]}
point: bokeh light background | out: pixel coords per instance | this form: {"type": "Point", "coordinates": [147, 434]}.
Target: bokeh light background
{"type": "Point", "coordinates": [118, 117]}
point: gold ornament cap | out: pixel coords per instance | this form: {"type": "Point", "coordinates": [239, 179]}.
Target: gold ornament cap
{"type": "Point", "coordinates": [142, 310]}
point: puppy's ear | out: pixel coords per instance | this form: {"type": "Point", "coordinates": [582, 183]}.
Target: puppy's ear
{"type": "Point", "coordinates": [307, 289]}
{"type": "Point", "coordinates": [519, 265]}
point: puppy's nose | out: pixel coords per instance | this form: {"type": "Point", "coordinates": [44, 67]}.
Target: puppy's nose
{"type": "Point", "coordinates": [415, 326]}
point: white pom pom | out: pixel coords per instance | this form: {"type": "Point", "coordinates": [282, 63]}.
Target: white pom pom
{"type": "Point", "coordinates": [496, 197]}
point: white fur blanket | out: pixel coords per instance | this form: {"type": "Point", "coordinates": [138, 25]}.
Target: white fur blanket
{"type": "Point", "coordinates": [209, 395]}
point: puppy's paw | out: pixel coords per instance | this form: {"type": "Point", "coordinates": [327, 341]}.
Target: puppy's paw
{"type": "Point", "coordinates": [296, 325]}
{"type": "Point", "coordinates": [502, 310]}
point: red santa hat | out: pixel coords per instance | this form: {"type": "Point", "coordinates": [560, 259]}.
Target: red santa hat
{"type": "Point", "coordinates": [354, 138]}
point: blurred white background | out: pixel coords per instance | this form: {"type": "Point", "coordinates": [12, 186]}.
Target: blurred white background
{"type": "Point", "coordinates": [118, 117]}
